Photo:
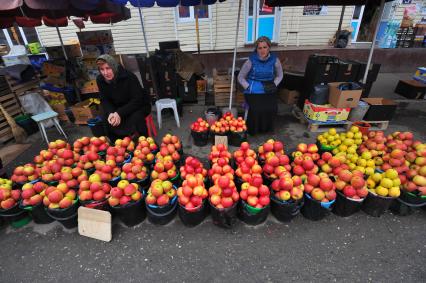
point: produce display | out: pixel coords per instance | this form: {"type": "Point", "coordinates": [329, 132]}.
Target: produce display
{"type": "Point", "coordinates": [124, 193]}
{"type": "Point", "coordinates": [347, 165]}
{"type": "Point", "coordinates": [200, 126]}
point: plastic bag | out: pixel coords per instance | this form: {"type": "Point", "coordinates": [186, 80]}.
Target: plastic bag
{"type": "Point", "coordinates": [35, 104]}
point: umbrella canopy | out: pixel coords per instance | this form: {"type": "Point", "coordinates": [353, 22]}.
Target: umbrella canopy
{"type": "Point", "coordinates": [282, 3]}
{"type": "Point", "coordinates": [165, 3]}
{"type": "Point", "coordinates": [31, 13]}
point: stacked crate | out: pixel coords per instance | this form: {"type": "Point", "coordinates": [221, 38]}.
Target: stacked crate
{"type": "Point", "coordinates": [11, 105]}
{"type": "Point", "coordinates": [222, 88]}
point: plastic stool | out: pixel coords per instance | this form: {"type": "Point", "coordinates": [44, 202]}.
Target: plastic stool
{"type": "Point", "coordinates": [164, 104]}
{"type": "Point", "coordinates": [150, 126]}
{"type": "Point", "coordinates": [49, 115]}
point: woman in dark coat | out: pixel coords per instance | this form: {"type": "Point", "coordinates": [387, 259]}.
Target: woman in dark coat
{"type": "Point", "coordinates": [124, 102]}
{"type": "Point", "coordinates": [260, 76]}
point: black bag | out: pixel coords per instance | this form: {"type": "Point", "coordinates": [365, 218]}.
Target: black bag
{"type": "Point", "coordinates": [320, 95]}
{"type": "Point", "coordinates": [342, 39]}
{"type": "Point", "coordinates": [269, 87]}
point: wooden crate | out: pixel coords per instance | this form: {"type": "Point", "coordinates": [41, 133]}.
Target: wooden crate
{"type": "Point", "coordinates": [19, 88]}
{"type": "Point", "coordinates": [222, 88]}
{"type": "Point", "coordinates": [11, 105]}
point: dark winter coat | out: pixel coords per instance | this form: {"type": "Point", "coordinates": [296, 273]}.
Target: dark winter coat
{"type": "Point", "coordinates": [125, 95]}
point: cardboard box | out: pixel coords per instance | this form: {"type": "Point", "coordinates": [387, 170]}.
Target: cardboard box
{"type": "Point", "coordinates": [84, 111]}
{"type": "Point", "coordinates": [56, 52]}
{"type": "Point", "coordinates": [411, 89]}
{"type": "Point", "coordinates": [325, 113]}
{"type": "Point", "coordinates": [288, 96]}
{"type": "Point", "coordinates": [381, 109]}
{"type": "Point", "coordinates": [89, 87]}
{"type": "Point", "coordinates": [343, 98]}
{"type": "Point", "coordinates": [60, 109]}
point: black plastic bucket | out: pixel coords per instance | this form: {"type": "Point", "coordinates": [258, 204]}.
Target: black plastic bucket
{"type": "Point", "coordinates": [251, 215]}
{"type": "Point", "coordinates": [131, 213]}
{"type": "Point", "coordinates": [38, 213]}
{"type": "Point", "coordinates": [235, 139]}
{"type": "Point", "coordinates": [101, 205]}
{"type": "Point", "coordinates": [68, 217]}
{"type": "Point", "coordinates": [200, 138]}
{"type": "Point", "coordinates": [15, 216]}
{"type": "Point", "coordinates": [114, 181]}
{"type": "Point", "coordinates": [162, 215]}
{"type": "Point", "coordinates": [194, 217]}
{"type": "Point", "coordinates": [97, 126]}
{"type": "Point", "coordinates": [375, 205]}
{"type": "Point", "coordinates": [411, 198]}
{"type": "Point", "coordinates": [344, 206]}
{"type": "Point", "coordinates": [285, 211]}
{"type": "Point", "coordinates": [315, 210]}
{"type": "Point", "coordinates": [403, 208]}
{"type": "Point", "coordinates": [225, 217]}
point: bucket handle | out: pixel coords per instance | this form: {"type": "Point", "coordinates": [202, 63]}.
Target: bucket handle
{"type": "Point", "coordinates": [409, 204]}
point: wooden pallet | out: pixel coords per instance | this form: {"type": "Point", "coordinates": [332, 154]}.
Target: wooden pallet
{"type": "Point", "coordinates": [11, 105]}
{"type": "Point", "coordinates": [319, 127]}
{"type": "Point", "coordinates": [21, 88]}
{"type": "Point", "coordinates": [375, 125]}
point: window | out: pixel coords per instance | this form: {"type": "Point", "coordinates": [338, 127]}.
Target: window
{"type": "Point", "coordinates": [187, 14]}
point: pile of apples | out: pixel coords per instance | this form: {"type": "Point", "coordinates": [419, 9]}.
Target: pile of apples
{"type": "Point", "coordinates": [164, 170]}
{"type": "Point", "coordinates": [320, 187]}
{"type": "Point", "coordinates": [160, 193]}
{"type": "Point", "coordinates": [8, 197]}
{"type": "Point", "coordinates": [376, 144]}
{"type": "Point", "coordinates": [248, 169]}
{"type": "Point", "coordinates": [32, 194]}
{"type": "Point", "coordinates": [416, 180]}
{"type": "Point", "coordinates": [200, 126]}
{"type": "Point", "coordinates": [27, 173]}
{"type": "Point", "coordinates": [45, 155]}
{"type": "Point", "coordinates": [116, 153]}
{"type": "Point", "coordinates": [96, 144]}
{"type": "Point", "coordinates": [221, 168]}
{"type": "Point", "coordinates": [219, 151]}
{"type": "Point", "coordinates": [169, 139]}
{"type": "Point", "coordinates": [352, 184]}
{"type": "Point", "coordinates": [396, 159]}
{"type": "Point", "coordinates": [192, 193]}
{"type": "Point", "coordinates": [68, 178]}
{"type": "Point", "coordinates": [192, 166]}
{"type": "Point", "coordinates": [255, 193]}
{"type": "Point", "coordinates": [269, 147]}
{"type": "Point", "coordinates": [168, 151]}
{"type": "Point", "coordinates": [220, 127]}
{"type": "Point", "coordinates": [288, 188]}
{"type": "Point", "coordinates": [351, 137]}
{"type": "Point", "coordinates": [125, 143]}
{"type": "Point", "coordinates": [86, 144]}
{"type": "Point", "coordinates": [134, 170]}
{"type": "Point", "coordinates": [223, 194]}
{"type": "Point", "coordinates": [108, 170]}
{"type": "Point", "coordinates": [93, 189]}
{"type": "Point", "coordinates": [276, 164]}
{"type": "Point", "coordinates": [51, 171]}
{"type": "Point", "coordinates": [243, 152]}
{"type": "Point", "coordinates": [59, 197]}
{"type": "Point", "coordinates": [124, 193]}
{"type": "Point", "coordinates": [237, 125]}
{"type": "Point", "coordinates": [385, 184]}
{"type": "Point", "coordinates": [145, 149]}
{"type": "Point", "coordinates": [54, 146]}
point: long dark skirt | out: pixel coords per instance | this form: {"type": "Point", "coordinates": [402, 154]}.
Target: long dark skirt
{"type": "Point", "coordinates": [262, 112]}
{"type": "Point", "coordinates": [133, 125]}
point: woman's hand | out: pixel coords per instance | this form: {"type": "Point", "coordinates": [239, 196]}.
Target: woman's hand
{"type": "Point", "coordinates": [114, 119]}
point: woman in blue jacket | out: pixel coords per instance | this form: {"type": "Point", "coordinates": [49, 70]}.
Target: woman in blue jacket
{"type": "Point", "coordinates": [260, 76]}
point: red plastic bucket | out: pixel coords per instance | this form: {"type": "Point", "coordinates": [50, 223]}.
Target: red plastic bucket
{"type": "Point", "coordinates": [363, 127]}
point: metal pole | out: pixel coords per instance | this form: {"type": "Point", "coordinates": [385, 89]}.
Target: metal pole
{"type": "Point", "coordinates": [235, 53]}
{"type": "Point", "coordinates": [341, 18]}
{"type": "Point", "coordinates": [143, 29]}
{"type": "Point", "coordinates": [60, 39]}
{"type": "Point", "coordinates": [370, 56]}
{"type": "Point", "coordinates": [197, 28]}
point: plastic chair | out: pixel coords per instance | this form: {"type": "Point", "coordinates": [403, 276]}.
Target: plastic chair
{"type": "Point", "coordinates": [164, 104]}
{"type": "Point", "coordinates": [152, 131]}
{"type": "Point", "coordinates": [46, 116]}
